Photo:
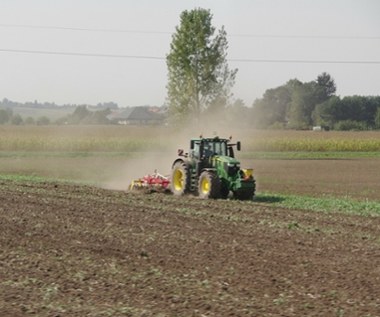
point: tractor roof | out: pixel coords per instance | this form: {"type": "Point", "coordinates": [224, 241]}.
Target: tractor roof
{"type": "Point", "coordinates": [213, 139]}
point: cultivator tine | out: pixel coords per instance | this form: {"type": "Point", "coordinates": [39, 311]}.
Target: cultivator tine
{"type": "Point", "coordinates": [152, 182]}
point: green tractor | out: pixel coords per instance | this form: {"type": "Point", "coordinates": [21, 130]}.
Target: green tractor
{"type": "Point", "coordinates": [210, 170]}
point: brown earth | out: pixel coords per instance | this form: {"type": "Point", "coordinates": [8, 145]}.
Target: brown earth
{"type": "Point", "coordinates": [357, 178]}
{"type": "Point", "coordinates": [70, 250]}
{"type": "Point", "coordinates": [349, 178]}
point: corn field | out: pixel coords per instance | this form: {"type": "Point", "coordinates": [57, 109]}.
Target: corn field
{"type": "Point", "coordinates": [141, 139]}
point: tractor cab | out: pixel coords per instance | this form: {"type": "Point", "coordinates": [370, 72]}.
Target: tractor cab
{"type": "Point", "coordinates": [204, 148]}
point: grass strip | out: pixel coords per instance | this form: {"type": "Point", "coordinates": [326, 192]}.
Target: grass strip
{"type": "Point", "coordinates": [308, 155]}
{"type": "Point", "coordinates": [325, 204]}
{"type": "Point", "coordinates": [22, 178]}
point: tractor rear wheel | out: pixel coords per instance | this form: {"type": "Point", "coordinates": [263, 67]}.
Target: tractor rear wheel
{"type": "Point", "coordinates": [180, 179]}
{"type": "Point", "coordinates": [209, 185]}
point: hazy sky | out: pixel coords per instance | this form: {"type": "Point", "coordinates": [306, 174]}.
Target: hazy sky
{"type": "Point", "coordinates": [303, 30]}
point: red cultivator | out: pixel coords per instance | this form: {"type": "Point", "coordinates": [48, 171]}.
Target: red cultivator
{"type": "Point", "coordinates": [151, 182]}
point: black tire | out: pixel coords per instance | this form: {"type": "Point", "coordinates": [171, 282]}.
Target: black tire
{"type": "Point", "coordinates": [224, 190]}
{"type": "Point", "coordinates": [180, 179]}
{"type": "Point", "coordinates": [209, 185]}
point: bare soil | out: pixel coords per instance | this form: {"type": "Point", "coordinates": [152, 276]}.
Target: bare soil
{"type": "Point", "coordinates": [351, 178]}
{"type": "Point", "coordinates": [74, 250]}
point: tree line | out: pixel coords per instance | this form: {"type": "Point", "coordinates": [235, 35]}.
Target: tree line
{"type": "Point", "coordinates": [6, 103]}
{"type": "Point", "coordinates": [80, 115]}
{"type": "Point", "coordinates": [294, 105]}
{"type": "Point", "coordinates": [298, 105]}
{"type": "Point", "coordinates": [8, 117]}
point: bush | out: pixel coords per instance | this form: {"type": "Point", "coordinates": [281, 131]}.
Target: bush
{"type": "Point", "coordinates": [348, 125]}
{"type": "Point", "coordinates": [43, 120]}
{"type": "Point", "coordinates": [30, 121]}
{"type": "Point", "coordinates": [16, 119]}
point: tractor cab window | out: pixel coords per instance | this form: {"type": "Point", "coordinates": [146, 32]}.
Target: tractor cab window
{"type": "Point", "coordinates": [195, 151]}
{"type": "Point", "coordinates": [214, 148]}
{"type": "Point", "coordinates": [221, 148]}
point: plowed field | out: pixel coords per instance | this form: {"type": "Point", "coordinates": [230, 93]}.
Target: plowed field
{"type": "Point", "coordinates": [74, 250]}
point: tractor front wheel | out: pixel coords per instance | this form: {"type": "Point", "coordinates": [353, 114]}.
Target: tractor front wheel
{"type": "Point", "coordinates": [180, 179]}
{"type": "Point", "coordinates": [209, 185]}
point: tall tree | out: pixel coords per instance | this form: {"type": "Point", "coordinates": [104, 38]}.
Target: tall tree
{"type": "Point", "coordinates": [272, 109]}
{"type": "Point", "coordinates": [377, 118]}
{"type": "Point", "coordinates": [306, 97]}
{"type": "Point", "coordinates": [198, 72]}
{"type": "Point", "coordinates": [326, 87]}
{"type": "Point", "coordinates": [303, 102]}
{"type": "Point", "coordinates": [327, 113]}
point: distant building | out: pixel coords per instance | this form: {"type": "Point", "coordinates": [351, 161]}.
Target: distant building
{"type": "Point", "coordinates": [143, 115]}
{"type": "Point", "coordinates": [321, 128]}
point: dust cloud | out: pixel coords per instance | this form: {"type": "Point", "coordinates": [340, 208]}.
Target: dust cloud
{"type": "Point", "coordinates": [89, 154]}
{"type": "Point", "coordinates": [172, 139]}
